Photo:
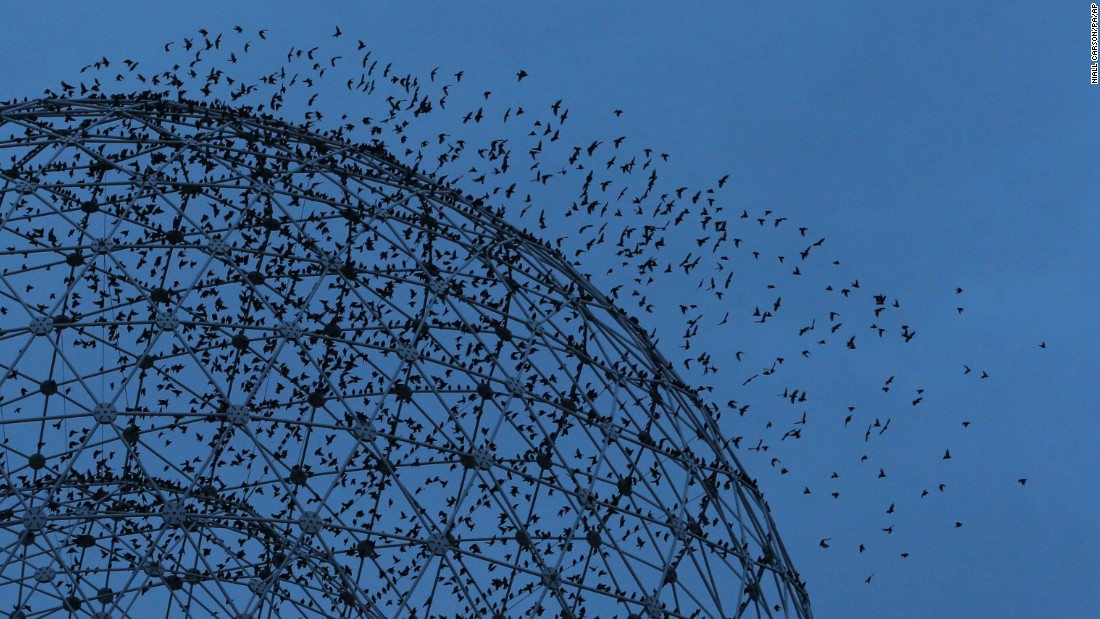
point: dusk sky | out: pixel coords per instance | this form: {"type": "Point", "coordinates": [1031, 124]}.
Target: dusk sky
{"type": "Point", "coordinates": [935, 145]}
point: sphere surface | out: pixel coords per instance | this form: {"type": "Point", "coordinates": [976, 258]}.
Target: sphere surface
{"type": "Point", "coordinates": [253, 370]}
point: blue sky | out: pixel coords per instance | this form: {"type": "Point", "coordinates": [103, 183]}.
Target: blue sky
{"type": "Point", "coordinates": [935, 145]}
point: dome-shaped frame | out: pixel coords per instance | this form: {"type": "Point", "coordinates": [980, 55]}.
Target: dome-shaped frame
{"type": "Point", "coordinates": [252, 370]}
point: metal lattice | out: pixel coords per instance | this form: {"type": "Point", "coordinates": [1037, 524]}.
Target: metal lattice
{"type": "Point", "coordinates": [249, 370]}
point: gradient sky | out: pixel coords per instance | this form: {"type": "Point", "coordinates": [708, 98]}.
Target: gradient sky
{"type": "Point", "coordinates": [936, 145]}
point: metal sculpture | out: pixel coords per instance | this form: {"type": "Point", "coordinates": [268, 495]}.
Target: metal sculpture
{"type": "Point", "coordinates": [252, 370]}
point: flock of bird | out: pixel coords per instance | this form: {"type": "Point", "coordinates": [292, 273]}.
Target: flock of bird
{"type": "Point", "coordinates": [600, 201]}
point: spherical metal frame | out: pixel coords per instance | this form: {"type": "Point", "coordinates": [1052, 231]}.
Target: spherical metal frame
{"type": "Point", "coordinates": [251, 370]}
